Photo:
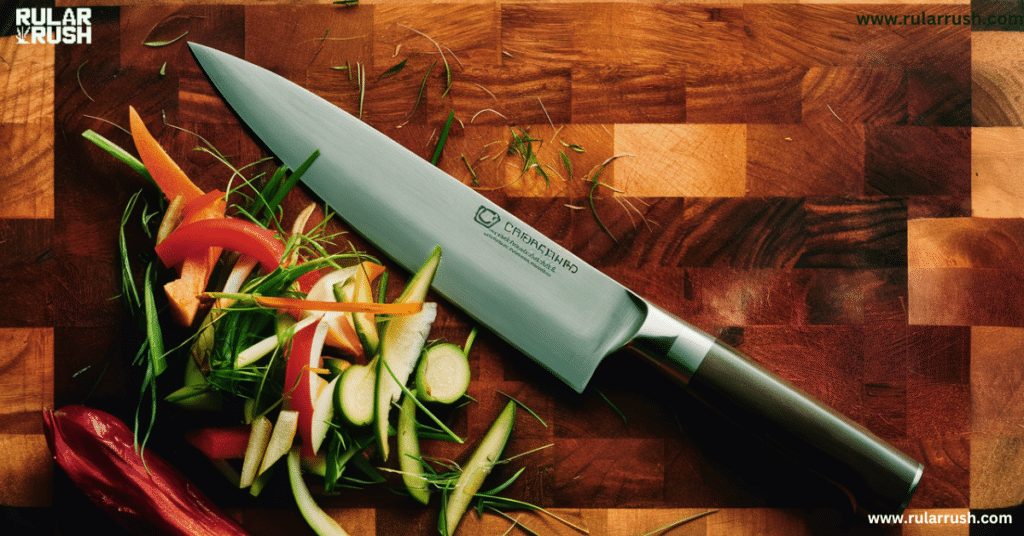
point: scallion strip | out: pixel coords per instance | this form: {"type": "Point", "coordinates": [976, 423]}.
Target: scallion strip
{"type": "Point", "coordinates": [117, 152]}
{"type": "Point", "coordinates": [443, 138]}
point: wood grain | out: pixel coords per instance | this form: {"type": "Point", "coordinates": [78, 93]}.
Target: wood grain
{"type": "Point", "coordinates": [997, 377]}
{"type": "Point", "coordinates": [996, 83]}
{"type": "Point", "coordinates": [809, 189]}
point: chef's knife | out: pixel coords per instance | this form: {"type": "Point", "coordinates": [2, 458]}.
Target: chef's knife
{"type": "Point", "coordinates": [532, 292]}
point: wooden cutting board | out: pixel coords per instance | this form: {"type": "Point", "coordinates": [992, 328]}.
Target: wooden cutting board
{"type": "Point", "coordinates": [839, 200]}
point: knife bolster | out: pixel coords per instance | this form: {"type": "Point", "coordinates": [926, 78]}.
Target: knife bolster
{"type": "Point", "coordinates": [672, 345]}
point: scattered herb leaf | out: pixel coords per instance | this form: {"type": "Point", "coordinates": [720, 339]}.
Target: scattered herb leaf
{"type": "Point", "coordinates": [613, 406]}
{"type": "Point", "coordinates": [346, 2]}
{"type": "Point", "coordinates": [393, 70]}
{"type": "Point", "coordinates": [678, 523]}
{"type": "Point", "coordinates": [361, 79]}
{"type": "Point", "coordinates": [574, 147]}
{"type": "Point", "coordinates": [423, 88]}
{"type": "Point", "coordinates": [545, 110]}
{"type": "Point", "coordinates": [472, 173]}
{"type": "Point", "coordinates": [78, 76]}
{"type": "Point", "coordinates": [163, 69]}
{"type": "Point", "coordinates": [156, 44]}
{"type": "Point", "coordinates": [524, 406]}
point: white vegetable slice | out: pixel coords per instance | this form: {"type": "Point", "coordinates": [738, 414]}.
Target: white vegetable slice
{"type": "Point", "coordinates": [281, 438]}
{"type": "Point", "coordinates": [323, 413]}
{"type": "Point", "coordinates": [401, 344]}
{"type": "Point", "coordinates": [478, 467]}
{"type": "Point", "coordinates": [318, 520]}
{"type": "Point", "coordinates": [259, 439]}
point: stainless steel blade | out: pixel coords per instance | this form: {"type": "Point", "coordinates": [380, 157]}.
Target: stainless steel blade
{"type": "Point", "coordinates": [529, 290]}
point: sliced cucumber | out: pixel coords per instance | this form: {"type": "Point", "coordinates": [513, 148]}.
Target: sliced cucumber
{"type": "Point", "coordinates": [478, 467]}
{"type": "Point", "coordinates": [401, 344]}
{"type": "Point", "coordinates": [336, 365]}
{"type": "Point", "coordinates": [443, 374]}
{"type": "Point", "coordinates": [353, 394]}
{"type": "Point", "coordinates": [318, 520]}
{"type": "Point", "coordinates": [413, 472]}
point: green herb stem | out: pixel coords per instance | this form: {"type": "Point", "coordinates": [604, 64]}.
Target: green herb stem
{"type": "Point", "coordinates": [117, 152]}
{"type": "Point", "coordinates": [443, 138]}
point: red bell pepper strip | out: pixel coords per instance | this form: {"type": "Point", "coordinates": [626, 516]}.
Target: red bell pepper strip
{"type": "Point", "coordinates": [142, 492]}
{"type": "Point", "coordinates": [300, 388]}
{"type": "Point", "coordinates": [220, 443]}
{"type": "Point", "coordinates": [228, 233]}
{"type": "Point", "coordinates": [195, 270]}
{"type": "Point", "coordinates": [166, 173]}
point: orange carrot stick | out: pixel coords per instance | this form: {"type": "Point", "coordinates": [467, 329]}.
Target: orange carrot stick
{"type": "Point", "coordinates": [171, 179]}
{"type": "Point", "coordinates": [340, 307]}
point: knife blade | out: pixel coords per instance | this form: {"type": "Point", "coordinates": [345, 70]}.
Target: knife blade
{"type": "Point", "coordinates": [535, 294]}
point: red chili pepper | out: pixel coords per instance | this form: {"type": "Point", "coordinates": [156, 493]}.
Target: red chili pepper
{"type": "Point", "coordinates": [142, 492]}
{"type": "Point", "coordinates": [228, 233]}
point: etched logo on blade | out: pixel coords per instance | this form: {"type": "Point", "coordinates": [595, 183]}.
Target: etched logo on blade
{"type": "Point", "coordinates": [487, 217]}
{"type": "Point", "coordinates": [525, 243]}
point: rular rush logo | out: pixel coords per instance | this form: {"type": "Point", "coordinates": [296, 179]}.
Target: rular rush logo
{"type": "Point", "coordinates": [44, 25]}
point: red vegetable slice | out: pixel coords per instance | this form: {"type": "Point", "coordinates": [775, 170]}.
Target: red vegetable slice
{"type": "Point", "coordinates": [301, 385]}
{"type": "Point", "coordinates": [228, 233]}
{"type": "Point", "coordinates": [142, 492]}
{"type": "Point", "coordinates": [195, 270]}
{"type": "Point", "coordinates": [220, 443]}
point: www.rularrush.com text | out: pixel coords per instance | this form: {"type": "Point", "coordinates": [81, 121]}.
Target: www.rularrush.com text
{"type": "Point", "coordinates": [931, 518]}
{"type": "Point", "coordinates": [925, 19]}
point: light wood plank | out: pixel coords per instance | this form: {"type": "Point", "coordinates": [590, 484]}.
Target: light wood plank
{"type": "Point", "coordinates": [681, 160]}
{"type": "Point", "coordinates": [996, 188]}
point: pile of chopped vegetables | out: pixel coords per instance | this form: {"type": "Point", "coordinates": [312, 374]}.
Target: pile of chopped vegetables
{"type": "Point", "coordinates": [326, 369]}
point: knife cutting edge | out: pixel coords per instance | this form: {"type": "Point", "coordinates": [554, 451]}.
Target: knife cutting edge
{"type": "Point", "coordinates": [535, 294]}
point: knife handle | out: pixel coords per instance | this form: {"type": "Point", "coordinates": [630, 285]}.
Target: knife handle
{"type": "Point", "coordinates": [877, 477]}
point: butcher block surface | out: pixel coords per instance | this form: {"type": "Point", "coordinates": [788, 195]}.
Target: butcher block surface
{"type": "Point", "coordinates": [841, 201]}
